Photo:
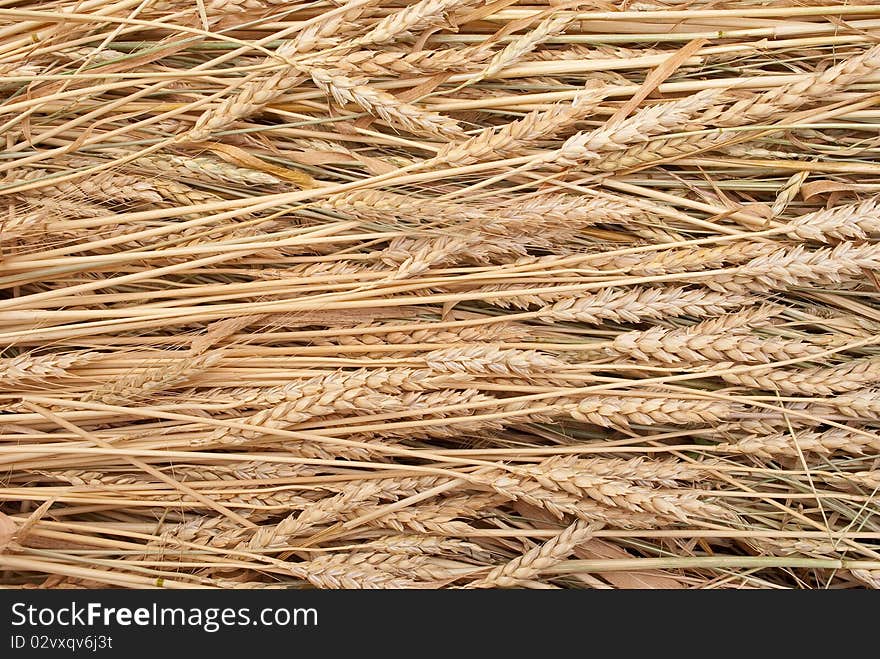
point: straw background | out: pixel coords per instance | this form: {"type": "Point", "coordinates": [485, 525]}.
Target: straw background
{"type": "Point", "coordinates": [439, 294]}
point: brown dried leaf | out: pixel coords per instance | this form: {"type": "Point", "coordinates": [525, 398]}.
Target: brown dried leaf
{"type": "Point", "coordinates": [652, 579]}
{"type": "Point", "coordinates": [819, 188]}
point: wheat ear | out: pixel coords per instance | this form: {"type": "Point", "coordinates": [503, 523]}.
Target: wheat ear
{"type": "Point", "coordinates": [29, 368]}
{"type": "Point", "coordinates": [586, 146]}
{"type": "Point", "coordinates": [783, 268]}
{"type": "Point", "coordinates": [420, 62]}
{"type": "Point", "coordinates": [256, 94]}
{"type": "Point", "coordinates": [362, 570]}
{"type": "Point", "coordinates": [692, 346]}
{"type": "Point", "coordinates": [534, 561]}
{"type": "Point", "coordinates": [422, 14]}
{"type": "Point", "coordinates": [389, 108]}
{"type": "Point", "coordinates": [154, 379]}
{"type": "Point", "coordinates": [785, 443]}
{"type": "Point", "coordinates": [789, 97]}
{"type": "Point", "coordinates": [518, 48]}
{"type": "Point", "coordinates": [818, 380]}
{"type": "Point", "coordinates": [854, 221]}
{"type": "Point", "coordinates": [511, 139]}
{"type": "Point", "coordinates": [634, 305]}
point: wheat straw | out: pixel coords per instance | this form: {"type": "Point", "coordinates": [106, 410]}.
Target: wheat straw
{"type": "Point", "coordinates": [439, 294]}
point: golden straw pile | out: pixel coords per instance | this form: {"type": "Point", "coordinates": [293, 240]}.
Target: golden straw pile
{"type": "Point", "coordinates": [439, 293]}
